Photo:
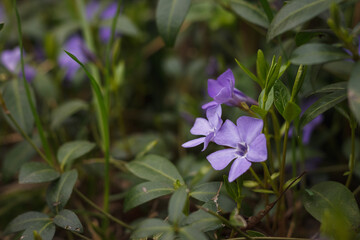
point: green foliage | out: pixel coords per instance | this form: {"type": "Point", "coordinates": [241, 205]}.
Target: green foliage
{"type": "Point", "coordinates": [177, 203]}
{"type": "Point", "coordinates": [64, 111]}
{"type": "Point", "coordinates": [36, 172]}
{"type": "Point", "coordinates": [281, 96]}
{"type": "Point", "coordinates": [249, 12]}
{"type": "Point", "coordinates": [68, 220]}
{"type": "Point", "coordinates": [150, 227]}
{"type": "Point", "coordinates": [191, 233]}
{"type": "Point", "coordinates": [70, 151]}
{"type": "Point", "coordinates": [354, 91]}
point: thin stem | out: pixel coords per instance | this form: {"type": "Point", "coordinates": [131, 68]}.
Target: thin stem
{"type": "Point", "coordinates": [87, 200]}
{"type": "Point", "coordinates": [44, 142]}
{"type": "Point", "coordinates": [283, 160]}
{"type": "Point", "coordinates": [257, 177]}
{"type": "Point", "coordinates": [268, 142]}
{"type": "Point", "coordinates": [267, 174]}
{"type": "Point", "coordinates": [80, 235]}
{"type": "Point", "coordinates": [352, 155]}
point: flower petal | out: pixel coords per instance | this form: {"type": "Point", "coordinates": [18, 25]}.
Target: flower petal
{"type": "Point", "coordinates": [224, 95]}
{"type": "Point", "coordinates": [249, 128]}
{"type": "Point", "coordinates": [257, 149]}
{"type": "Point", "coordinates": [208, 139]}
{"type": "Point", "coordinates": [220, 159]}
{"type": "Point", "coordinates": [227, 79]}
{"type": "Point", "coordinates": [201, 127]}
{"type": "Point", "coordinates": [209, 105]}
{"type": "Point", "coordinates": [194, 142]}
{"type": "Point", "coordinates": [213, 87]}
{"type": "Point", "coordinates": [239, 166]}
{"type": "Point", "coordinates": [227, 135]}
{"type": "Point", "coordinates": [214, 116]}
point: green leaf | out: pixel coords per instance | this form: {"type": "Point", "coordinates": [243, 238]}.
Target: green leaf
{"type": "Point", "coordinates": [124, 25]}
{"type": "Point", "coordinates": [273, 74]}
{"type": "Point", "coordinates": [177, 204]}
{"type": "Point", "coordinates": [203, 221]}
{"type": "Point", "coordinates": [249, 12]}
{"type": "Point", "coordinates": [27, 220]}
{"type": "Point", "coordinates": [295, 13]}
{"type": "Point", "coordinates": [16, 101]}
{"type": "Point", "coordinates": [191, 233]}
{"type": "Point", "coordinates": [64, 111]}
{"type": "Point", "coordinates": [261, 112]}
{"type": "Point", "coordinates": [43, 232]}
{"type": "Point", "coordinates": [59, 191]}
{"type": "Point", "coordinates": [70, 151]}
{"type": "Point", "coordinates": [252, 233]}
{"type": "Point", "coordinates": [316, 53]}
{"type": "Point", "coordinates": [354, 91]}
{"type": "Point", "coordinates": [332, 196]}
{"type": "Point", "coordinates": [292, 111]}
{"type": "Point", "coordinates": [206, 191]}
{"type": "Point", "coordinates": [145, 192]}
{"type": "Point", "coordinates": [281, 96]}
{"type": "Point", "coordinates": [68, 220]}
{"type": "Point", "coordinates": [262, 67]}
{"type": "Point", "coordinates": [305, 36]}
{"type": "Point", "coordinates": [248, 72]}
{"type": "Point", "coordinates": [322, 105]}
{"type": "Point", "coordinates": [155, 168]}
{"type": "Point", "coordinates": [150, 227]}
{"type": "Point", "coordinates": [340, 86]}
{"type": "Point", "coordinates": [269, 100]}
{"type": "Point", "coordinates": [170, 15]}
{"type": "Point", "coordinates": [266, 191]}
{"type": "Point", "coordinates": [37, 172]}
{"type": "Point", "coordinates": [236, 219]}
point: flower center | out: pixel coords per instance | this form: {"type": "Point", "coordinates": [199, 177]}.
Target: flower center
{"type": "Point", "coordinates": [242, 149]}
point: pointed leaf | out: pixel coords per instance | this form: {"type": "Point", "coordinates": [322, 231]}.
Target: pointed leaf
{"type": "Point", "coordinates": [249, 12]}
{"type": "Point", "coordinates": [170, 15]}
{"type": "Point", "coordinates": [70, 151]}
{"type": "Point", "coordinates": [17, 103]}
{"type": "Point", "coordinates": [249, 73]}
{"type": "Point", "coordinates": [203, 221]}
{"type": "Point", "coordinates": [281, 96]}
{"type": "Point", "coordinates": [44, 232]}
{"type": "Point", "coordinates": [295, 13]}
{"type": "Point", "coordinates": [27, 220]}
{"type": "Point", "coordinates": [292, 111]}
{"type": "Point", "coordinates": [191, 233]}
{"type": "Point", "coordinates": [145, 192]}
{"type": "Point", "coordinates": [332, 196]}
{"type": "Point", "coordinates": [316, 53]}
{"type": "Point", "coordinates": [177, 203]}
{"type": "Point", "coordinates": [150, 227]}
{"type": "Point", "coordinates": [37, 172]}
{"type": "Point", "coordinates": [64, 111]}
{"type": "Point", "coordinates": [59, 191]}
{"type": "Point", "coordinates": [206, 191]}
{"type": "Point", "coordinates": [354, 91]}
{"type": "Point", "coordinates": [68, 220]}
{"type": "Point", "coordinates": [322, 105]}
{"type": "Point", "coordinates": [155, 168]}
{"type": "Point", "coordinates": [339, 86]}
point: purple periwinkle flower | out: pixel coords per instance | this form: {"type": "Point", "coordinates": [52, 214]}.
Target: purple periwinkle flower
{"type": "Point", "coordinates": [11, 60]}
{"type": "Point", "coordinates": [207, 128]}
{"type": "Point", "coordinates": [247, 144]}
{"type": "Point", "coordinates": [223, 91]}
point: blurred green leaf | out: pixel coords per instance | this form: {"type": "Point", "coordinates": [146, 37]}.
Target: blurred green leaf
{"type": "Point", "coordinates": [335, 225]}
{"type": "Point", "coordinates": [145, 192]}
{"type": "Point", "coordinates": [70, 151]}
{"type": "Point", "coordinates": [37, 172]}
{"type": "Point", "coordinates": [155, 168]}
{"type": "Point", "coordinates": [354, 91]}
{"type": "Point", "coordinates": [43, 232]}
{"type": "Point", "coordinates": [339, 86]}
{"type": "Point", "coordinates": [266, 191]}
{"type": "Point", "coordinates": [191, 233]}
{"type": "Point", "coordinates": [124, 25]}
{"type": "Point", "coordinates": [59, 191]}
{"type": "Point", "coordinates": [236, 219]}
{"type": "Point", "coordinates": [316, 53]}
{"type": "Point", "coordinates": [203, 221]}
{"type": "Point", "coordinates": [177, 203]}
{"type": "Point", "coordinates": [322, 105]}
{"type": "Point", "coordinates": [249, 12]}
{"type": "Point", "coordinates": [150, 227]}
{"type": "Point", "coordinates": [295, 13]}
{"type": "Point", "coordinates": [68, 220]}
{"type": "Point", "coordinates": [170, 15]}
{"type": "Point", "coordinates": [1, 26]}
{"type": "Point", "coordinates": [252, 233]}
{"type": "Point", "coordinates": [292, 111]}
{"type": "Point", "coordinates": [332, 196]}
{"type": "Point", "coordinates": [281, 96]}
{"type": "Point", "coordinates": [16, 101]}
{"type": "Point", "coordinates": [206, 191]}
{"type": "Point", "coordinates": [261, 112]}
{"type": "Point", "coordinates": [64, 111]}
{"type": "Point", "coordinates": [27, 220]}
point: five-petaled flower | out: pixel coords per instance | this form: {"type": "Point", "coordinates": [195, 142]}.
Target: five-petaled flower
{"type": "Point", "coordinates": [208, 128]}
{"type": "Point", "coordinates": [247, 144]}
{"type": "Point", "coordinates": [223, 91]}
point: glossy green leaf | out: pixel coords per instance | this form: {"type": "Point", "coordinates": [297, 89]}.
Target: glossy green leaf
{"type": "Point", "coordinates": [249, 12]}
{"type": "Point", "coordinates": [206, 191]}
{"type": "Point", "coordinates": [145, 192]}
{"type": "Point", "coordinates": [292, 111]}
{"type": "Point", "coordinates": [16, 101]}
{"type": "Point", "coordinates": [177, 203]}
{"type": "Point", "coordinates": [170, 15]}
{"type": "Point", "coordinates": [155, 168]}
{"type": "Point", "coordinates": [70, 151]}
{"type": "Point", "coordinates": [66, 110]}
{"type": "Point", "coordinates": [59, 191]}
{"type": "Point", "coordinates": [191, 233]}
{"type": "Point", "coordinates": [322, 105]}
{"type": "Point", "coordinates": [316, 53]}
{"type": "Point", "coordinates": [295, 13]}
{"type": "Point", "coordinates": [281, 96]}
{"type": "Point", "coordinates": [354, 91]}
{"type": "Point", "coordinates": [68, 220]}
{"type": "Point", "coordinates": [150, 227]}
{"type": "Point", "coordinates": [27, 220]}
{"type": "Point", "coordinates": [331, 196]}
{"type": "Point", "coordinates": [43, 232]}
{"type": "Point", "coordinates": [37, 172]}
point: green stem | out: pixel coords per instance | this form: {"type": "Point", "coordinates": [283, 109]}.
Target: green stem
{"type": "Point", "coordinates": [267, 9]}
{"type": "Point", "coordinates": [44, 142]}
{"type": "Point", "coordinates": [256, 177]}
{"type": "Point", "coordinates": [283, 160]}
{"type": "Point", "coordinates": [87, 200]}
{"type": "Point", "coordinates": [80, 235]}
{"type": "Point", "coordinates": [352, 155]}
{"type": "Point", "coordinates": [268, 176]}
